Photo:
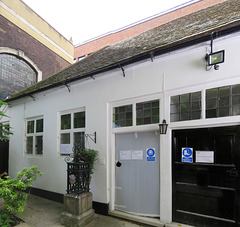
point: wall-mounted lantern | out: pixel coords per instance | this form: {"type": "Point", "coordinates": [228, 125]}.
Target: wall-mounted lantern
{"type": "Point", "coordinates": [163, 127]}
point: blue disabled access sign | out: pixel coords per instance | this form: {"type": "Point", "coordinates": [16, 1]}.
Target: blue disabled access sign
{"type": "Point", "coordinates": [151, 155]}
{"type": "Point", "coordinates": [187, 154]}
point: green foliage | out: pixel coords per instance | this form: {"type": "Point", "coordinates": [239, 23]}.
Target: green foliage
{"type": "Point", "coordinates": [12, 192]}
{"type": "Point", "coordinates": [87, 155]}
{"type": "Point", "coordinates": [4, 129]}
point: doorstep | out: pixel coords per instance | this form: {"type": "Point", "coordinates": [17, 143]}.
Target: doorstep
{"type": "Point", "coordinates": [145, 220]}
{"type": "Point", "coordinates": [135, 218]}
{"type": "Point", "coordinates": [174, 224]}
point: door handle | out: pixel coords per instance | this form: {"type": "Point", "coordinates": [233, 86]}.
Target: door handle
{"type": "Point", "coordinates": [118, 164]}
{"type": "Point", "coordinates": [233, 172]}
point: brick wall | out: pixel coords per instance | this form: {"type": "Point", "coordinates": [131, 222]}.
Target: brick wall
{"type": "Point", "coordinates": [45, 59]}
{"type": "Point", "coordinates": [97, 44]}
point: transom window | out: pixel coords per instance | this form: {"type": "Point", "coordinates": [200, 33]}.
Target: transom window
{"type": "Point", "coordinates": [122, 116]}
{"type": "Point", "coordinates": [72, 131]}
{"type": "Point", "coordinates": [34, 136]}
{"type": "Point", "coordinates": [223, 101]}
{"type": "Point", "coordinates": [186, 107]}
{"type": "Point", "coordinates": [145, 112]}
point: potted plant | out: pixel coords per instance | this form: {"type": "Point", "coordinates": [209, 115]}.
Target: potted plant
{"type": "Point", "coordinates": [85, 155]}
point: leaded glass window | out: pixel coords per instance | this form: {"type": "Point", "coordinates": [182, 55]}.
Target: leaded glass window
{"type": "Point", "coordinates": [15, 75]}
{"type": "Point", "coordinates": [147, 112]}
{"type": "Point", "coordinates": [122, 116]}
{"type": "Point", "coordinates": [34, 136]}
{"type": "Point", "coordinates": [66, 121]}
{"type": "Point", "coordinates": [186, 107]}
{"type": "Point", "coordinates": [79, 119]}
{"type": "Point", "coordinates": [223, 101]}
{"type": "Point", "coordinates": [72, 131]}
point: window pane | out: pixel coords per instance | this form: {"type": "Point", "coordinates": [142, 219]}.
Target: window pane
{"type": "Point", "coordinates": [196, 96]}
{"type": "Point", "coordinates": [65, 138]}
{"type": "Point", "coordinates": [79, 139]}
{"type": "Point", "coordinates": [236, 110]}
{"type": "Point", "coordinates": [39, 125]}
{"type": "Point", "coordinates": [29, 147]}
{"type": "Point", "coordinates": [147, 120]}
{"type": "Point", "coordinates": [184, 98]}
{"type": "Point", "coordinates": [196, 105]}
{"type": "Point", "coordinates": [196, 115]}
{"type": "Point", "coordinates": [211, 103]}
{"type": "Point", "coordinates": [184, 116]}
{"type": "Point", "coordinates": [175, 108]}
{"type": "Point", "coordinates": [30, 127]}
{"type": "Point", "coordinates": [224, 91]}
{"type": "Point", "coordinates": [236, 89]}
{"type": "Point", "coordinates": [223, 112]}
{"type": "Point", "coordinates": [147, 112]}
{"type": "Point", "coordinates": [79, 120]}
{"type": "Point", "coordinates": [175, 99]}
{"type": "Point", "coordinates": [211, 113]}
{"type": "Point", "coordinates": [189, 108]}
{"type": "Point", "coordinates": [184, 107]}
{"type": "Point", "coordinates": [211, 93]}
{"type": "Point", "coordinates": [66, 121]}
{"type": "Point", "coordinates": [236, 100]}
{"type": "Point", "coordinates": [225, 103]}
{"type": "Point", "coordinates": [122, 116]}
{"type": "Point", "coordinates": [39, 144]}
{"type": "Point", "coordinates": [174, 117]}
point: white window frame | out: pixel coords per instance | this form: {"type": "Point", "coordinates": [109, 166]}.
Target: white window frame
{"type": "Point", "coordinates": [133, 102]}
{"type": "Point", "coordinates": [34, 135]}
{"type": "Point", "coordinates": [71, 131]}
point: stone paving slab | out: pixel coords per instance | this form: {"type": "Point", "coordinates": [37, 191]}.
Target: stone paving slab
{"type": "Point", "coordinates": [41, 212]}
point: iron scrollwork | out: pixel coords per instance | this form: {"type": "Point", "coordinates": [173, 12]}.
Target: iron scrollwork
{"type": "Point", "coordinates": [78, 173]}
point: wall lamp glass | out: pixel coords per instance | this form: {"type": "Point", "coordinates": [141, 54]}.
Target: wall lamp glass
{"type": "Point", "coordinates": [163, 127]}
{"type": "Point", "coordinates": [215, 58]}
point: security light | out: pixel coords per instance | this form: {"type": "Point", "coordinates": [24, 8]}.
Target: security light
{"type": "Point", "coordinates": [215, 58]}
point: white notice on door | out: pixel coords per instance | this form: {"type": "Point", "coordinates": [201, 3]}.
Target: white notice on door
{"type": "Point", "coordinates": [205, 156]}
{"type": "Point", "coordinates": [136, 155]}
{"type": "Point", "coordinates": [125, 155]}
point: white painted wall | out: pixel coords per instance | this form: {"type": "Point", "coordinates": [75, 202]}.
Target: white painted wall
{"type": "Point", "coordinates": [175, 73]}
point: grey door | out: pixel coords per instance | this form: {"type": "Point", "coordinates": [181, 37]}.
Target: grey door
{"type": "Point", "coordinates": [137, 173]}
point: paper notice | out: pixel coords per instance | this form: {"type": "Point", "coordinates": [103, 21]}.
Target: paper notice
{"type": "Point", "coordinates": [125, 155]}
{"type": "Point", "coordinates": [205, 156]}
{"type": "Point", "coordinates": [136, 155]}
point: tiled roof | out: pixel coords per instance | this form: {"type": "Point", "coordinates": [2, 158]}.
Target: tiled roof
{"type": "Point", "coordinates": [175, 33]}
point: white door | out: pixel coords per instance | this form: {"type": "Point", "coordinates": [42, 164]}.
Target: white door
{"type": "Point", "coordinates": [137, 173]}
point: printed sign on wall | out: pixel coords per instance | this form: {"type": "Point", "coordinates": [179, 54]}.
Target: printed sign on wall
{"type": "Point", "coordinates": [187, 154]}
{"type": "Point", "coordinates": [151, 155]}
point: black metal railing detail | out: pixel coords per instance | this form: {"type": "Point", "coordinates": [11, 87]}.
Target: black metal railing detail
{"type": "Point", "coordinates": [78, 173]}
{"type": "Point", "coordinates": [77, 177]}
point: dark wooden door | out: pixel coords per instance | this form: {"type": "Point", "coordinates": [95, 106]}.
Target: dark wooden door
{"type": "Point", "coordinates": [4, 153]}
{"type": "Point", "coordinates": [207, 193]}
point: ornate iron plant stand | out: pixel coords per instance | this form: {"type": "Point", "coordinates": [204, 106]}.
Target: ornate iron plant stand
{"type": "Point", "coordinates": [77, 210]}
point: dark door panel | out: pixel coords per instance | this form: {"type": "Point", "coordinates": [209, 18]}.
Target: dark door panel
{"type": "Point", "coordinates": [206, 194]}
{"type": "Point", "coordinates": [4, 153]}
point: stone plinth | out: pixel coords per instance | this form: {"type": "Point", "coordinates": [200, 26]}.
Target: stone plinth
{"type": "Point", "coordinates": [77, 210]}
